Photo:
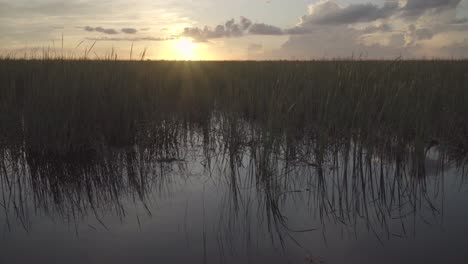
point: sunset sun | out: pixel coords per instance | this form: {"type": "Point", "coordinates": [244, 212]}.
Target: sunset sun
{"type": "Point", "coordinates": [185, 49]}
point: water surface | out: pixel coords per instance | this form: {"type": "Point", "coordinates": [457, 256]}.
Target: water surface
{"type": "Point", "coordinates": [230, 192]}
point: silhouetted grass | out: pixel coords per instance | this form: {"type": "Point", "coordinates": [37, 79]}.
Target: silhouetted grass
{"type": "Point", "coordinates": [81, 134]}
{"type": "Point", "coordinates": [68, 104]}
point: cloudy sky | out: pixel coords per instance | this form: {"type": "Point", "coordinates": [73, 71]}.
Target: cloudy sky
{"type": "Point", "coordinates": [241, 29]}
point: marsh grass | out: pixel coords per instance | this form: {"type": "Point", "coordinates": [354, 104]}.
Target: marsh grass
{"type": "Point", "coordinates": [409, 100]}
{"type": "Point", "coordinates": [354, 137]}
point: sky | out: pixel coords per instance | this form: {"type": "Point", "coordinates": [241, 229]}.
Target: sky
{"type": "Point", "coordinates": [237, 30]}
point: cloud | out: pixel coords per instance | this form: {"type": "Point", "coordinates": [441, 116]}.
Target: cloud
{"type": "Point", "coordinates": [129, 30]}
{"type": "Point", "coordinates": [341, 43]}
{"type": "Point", "coordinates": [419, 7]}
{"type": "Point", "coordinates": [206, 33]}
{"type": "Point", "coordinates": [397, 27]}
{"type": "Point", "coordinates": [457, 21]}
{"type": "Point", "coordinates": [331, 30]}
{"type": "Point", "coordinates": [379, 28]}
{"type": "Point", "coordinates": [327, 13]}
{"type": "Point", "coordinates": [264, 29]}
{"type": "Point", "coordinates": [231, 29]}
{"type": "Point", "coordinates": [109, 31]}
{"type": "Point", "coordinates": [330, 13]}
{"type": "Point", "coordinates": [371, 31]}
{"type": "Point", "coordinates": [300, 30]}
{"type": "Point", "coordinates": [245, 23]}
{"type": "Point", "coordinates": [422, 33]}
{"type": "Point", "coordinates": [396, 40]}
{"type": "Point", "coordinates": [220, 31]}
{"type": "Point", "coordinates": [377, 31]}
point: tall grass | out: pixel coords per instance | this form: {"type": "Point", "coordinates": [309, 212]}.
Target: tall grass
{"type": "Point", "coordinates": [81, 134]}
{"type": "Point", "coordinates": [75, 102]}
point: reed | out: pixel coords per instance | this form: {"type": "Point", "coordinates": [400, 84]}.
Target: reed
{"type": "Point", "coordinates": [81, 134]}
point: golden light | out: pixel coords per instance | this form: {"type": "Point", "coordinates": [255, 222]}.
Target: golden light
{"type": "Point", "coordinates": [185, 49]}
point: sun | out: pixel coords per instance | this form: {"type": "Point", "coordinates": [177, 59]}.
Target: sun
{"type": "Point", "coordinates": [185, 48]}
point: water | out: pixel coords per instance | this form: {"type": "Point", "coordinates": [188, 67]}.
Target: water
{"type": "Point", "coordinates": [217, 195]}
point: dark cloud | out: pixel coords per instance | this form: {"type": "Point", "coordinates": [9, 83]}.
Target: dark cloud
{"type": "Point", "coordinates": [245, 23]}
{"type": "Point", "coordinates": [419, 7]}
{"type": "Point", "coordinates": [265, 29]}
{"type": "Point", "coordinates": [330, 13]}
{"type": "Point", "coordinates": [109, 31]}
{"type": "Point", "coordinates": [206, 33]}
{"type": "Point", "coordinates": [129, 30]}
{"type": "Point", "coordinates": [428, 31]}
{"type": "Point", "coordinates": [231, 29]}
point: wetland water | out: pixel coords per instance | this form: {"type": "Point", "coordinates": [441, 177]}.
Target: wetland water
{"type": "Point", "coordinates": [210, 194]}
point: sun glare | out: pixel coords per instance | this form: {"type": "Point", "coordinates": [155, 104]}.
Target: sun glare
{"type": "Point", "coordinates": [185, 49]}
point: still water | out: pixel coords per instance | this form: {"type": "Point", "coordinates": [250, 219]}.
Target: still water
{"type": "Point", "coordinates": [207, 197]}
